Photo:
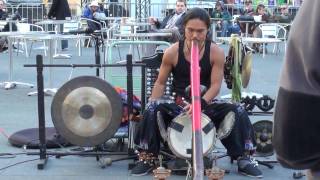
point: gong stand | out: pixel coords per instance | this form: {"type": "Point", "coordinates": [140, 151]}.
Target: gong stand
{"type": "Point", "coordinates": [43, 153]}
{"type": "Point", "coordinates": [98, 41]}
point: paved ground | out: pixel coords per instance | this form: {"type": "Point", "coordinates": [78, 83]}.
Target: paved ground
{"type": "Point", "coordinates": [19, 111]}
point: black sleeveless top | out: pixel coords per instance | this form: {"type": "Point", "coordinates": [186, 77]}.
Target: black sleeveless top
{"type": "Point", "coordinates": [181, 72]}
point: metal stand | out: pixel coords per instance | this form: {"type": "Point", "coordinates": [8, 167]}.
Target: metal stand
{"type": "Point", "coordinates": [12, 84]}
{"type": "Point", "coordinates": [41, 115]}
{"type": "Point", "coordinates": [43, 153]}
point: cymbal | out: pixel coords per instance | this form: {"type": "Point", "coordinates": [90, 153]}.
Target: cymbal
{"type": "Point", "coordinates": [246, 69]}
{"type": "Point", "coordinates": [86, 111]}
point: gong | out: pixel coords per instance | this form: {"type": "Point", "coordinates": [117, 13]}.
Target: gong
{"type": "Point", "coordinates": [263, 134]}
{"type": "Point", "coordinates": [86, 111]}
{"type": "Point", "coordinates": [246, 69]}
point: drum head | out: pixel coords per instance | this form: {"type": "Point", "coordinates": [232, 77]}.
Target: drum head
{"type": "Point", "coordinates": [180, 135]}
{"type": "Point", "coordinates": [86, 111]}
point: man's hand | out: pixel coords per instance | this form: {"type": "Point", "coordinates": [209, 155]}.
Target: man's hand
{"type": "Point", "coordinates": [188, 109]}
{"type": "Point", "coordinates": [153, 20]}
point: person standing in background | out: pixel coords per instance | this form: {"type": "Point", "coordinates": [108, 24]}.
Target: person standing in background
{"type": "Point", "coordinates": [296, 122]}
{"type": "Point", "coordinates": [60, 10]}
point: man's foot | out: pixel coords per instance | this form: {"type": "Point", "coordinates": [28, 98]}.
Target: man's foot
{"type": "Point", "coordinates": [64, 49]}
{"type": "Point", "coordinates": [249, 167]}
{"type": "Point", "coordinates": [141, 169]}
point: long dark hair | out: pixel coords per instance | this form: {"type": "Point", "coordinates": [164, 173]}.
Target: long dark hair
{"type": "Point", "coordinates": [197, 13]}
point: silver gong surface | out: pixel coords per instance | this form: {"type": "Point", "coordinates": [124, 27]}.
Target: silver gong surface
{"type": "Point", "coordinates": [86, 111]}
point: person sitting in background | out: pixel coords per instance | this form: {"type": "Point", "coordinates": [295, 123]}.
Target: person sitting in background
{"type": "Point", "coordinates": [225, 24]}
{"type": "Point", "coordinates": [265, 16]}
{"type": "Point", "coordinates": [96, 13]}
{"type": "Point", "coordinates": [3, 10]}
{"type": "Point", "coordinates": [246, 14]}
{"type": "Point", "coordinates": [93, 11]}
{"type": "Point", "coordinates": [103, 8]}
{"type": "Point", "coordinates": [284, 16]}
{"type": "Point", "coordinates": [247, 9]}
{"type": "Point", "coordinates": [170, 24]}
{"type": "Point", "coordinates": [4, 15]}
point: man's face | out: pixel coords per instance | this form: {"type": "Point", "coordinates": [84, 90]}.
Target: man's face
{"type": "Point", "coordinates": [284, 10]}
{"type": "Point", "coordinates": [248, 5]}
{"type": "Point", "coordinates": [2, 5]}
{"type": "Point", "coordinates": [196, 29]}
{"type": "Point", "coordinates": [218, 6]}
{"type": "Point", "coordinates": [261, 11]}
{"type": "Point", "coordinates": [180, 7]}
{"type": "Point", "coordinates": [94, 8]}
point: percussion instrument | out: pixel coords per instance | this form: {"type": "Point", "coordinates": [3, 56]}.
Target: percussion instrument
{"type": "Point", "coordinates": [226, 126]}
{"type": "Point", "coordinates": [263, 134]}
{"type": "Point", "coordinates": [86, 111]}
{"type": "Point", "coordinates": [180, 135]}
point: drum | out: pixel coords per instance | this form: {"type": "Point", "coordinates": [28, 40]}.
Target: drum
{"type": "Point", "coordinates": [180, 135]}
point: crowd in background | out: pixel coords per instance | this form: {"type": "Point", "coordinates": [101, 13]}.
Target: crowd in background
{"type": "Point", "coordinates": [229, 24]}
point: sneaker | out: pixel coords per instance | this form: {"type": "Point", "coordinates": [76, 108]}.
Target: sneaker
{"type": "Point", "coordinates": [141, 169]}
{"type": "Point", "coordinates": [249, 167]}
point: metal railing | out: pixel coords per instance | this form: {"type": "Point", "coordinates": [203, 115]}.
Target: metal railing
{"type": "Point", "coordinates": [34, 12]}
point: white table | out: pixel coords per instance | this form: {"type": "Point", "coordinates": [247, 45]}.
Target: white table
{"type": "Point", "coordinates": [10, 36]}
{"type": "Point", "coordinates": [48, 22]}
{"type": "Point", "coordinates": [50, 38]}
{"type": "Point", "coordinates": [132, 36]}
{"type": "Point", "coordinates": [254, 40]}
{"type": "Point", "coordinates": [143, 35]}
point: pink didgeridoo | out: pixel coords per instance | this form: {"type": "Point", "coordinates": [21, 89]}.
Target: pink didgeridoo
{"type": "Point", "coordinates": [197, 152]}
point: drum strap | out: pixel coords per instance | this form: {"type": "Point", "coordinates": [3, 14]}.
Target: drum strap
{"type": "Point", "coordinates": [176, 126]}
{"type": "Point", "coordinates": [189, 151]}
{"type": "Point", "coordinates": [207, 128]}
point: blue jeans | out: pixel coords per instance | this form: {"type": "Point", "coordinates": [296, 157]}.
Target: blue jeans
{"type": "Point", "coordinates": [228, 28]}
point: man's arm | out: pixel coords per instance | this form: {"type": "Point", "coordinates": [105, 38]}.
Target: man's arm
{"type": "Point", "coordinates": [87, 13]}
{"type": "Point", "coordinates": [179, 23]}
{"type": "Point", "coordinates": [165, 70]}
{"type": "Point", "coordinates": [217, 61]}
{"type": "Point", "coordinates": [101, 16]}
{"type": "Point", "coordinates": [162, 24]}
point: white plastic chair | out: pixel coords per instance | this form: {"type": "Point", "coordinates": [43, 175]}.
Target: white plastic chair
{"type": "Point", "coordinates": [27, 27]}
{"type": "Point", "coordinates": [273, 30]}
{"type": "Point", "coordinates": [101, 24]}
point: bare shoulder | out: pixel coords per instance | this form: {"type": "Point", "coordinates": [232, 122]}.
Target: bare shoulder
{"type": "Point", "coordinates": [170, 55]}
{"type": "Point", "coordinates": [216, 54]}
